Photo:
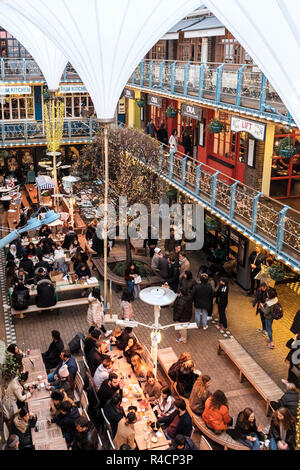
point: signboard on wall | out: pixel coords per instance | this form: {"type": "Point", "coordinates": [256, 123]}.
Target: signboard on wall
{"type": "Point", "coordinates": [129, 93]}
{"type": "Point", "coordinates": [15, 90]}
{"type": "Point", "coordinates": [121, 104]}
{"type": "Point", "coordinates": [189, 110]}
{"type": "Point", "coordinates": [154, 101]}
{"type": "Point", "coordinates": [256, 129]}
{"type": "Point", "coordinates": [72, 89]}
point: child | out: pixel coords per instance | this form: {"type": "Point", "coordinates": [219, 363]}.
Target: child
{"type": "Point", "coordinates": [126, 307]}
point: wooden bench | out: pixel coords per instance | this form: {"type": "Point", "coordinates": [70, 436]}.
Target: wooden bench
{"type": "Point", "coordinates": [138, 246]}
{"type": "Point", "coordinates": [57, 306]}
{"type": "Point", "coordinates": [166, 358]}
{"type": "Point", "coordinates": [248, 368]}
{"type": "Point", "coordinates": [120, 281]}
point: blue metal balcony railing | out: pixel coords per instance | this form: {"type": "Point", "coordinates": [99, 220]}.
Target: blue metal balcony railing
{"type": "Point", "coordinates": [24, 69]}
{"type": "Point", "coordinates": [262, 219]}
{"type": "Point", "coordinates": [27, 132]}
{"type": "Point", "coordinates": [241, 88]}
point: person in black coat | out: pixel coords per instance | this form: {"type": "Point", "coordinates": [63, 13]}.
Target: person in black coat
{"type": "Point", "coordinates": [173, 274]}
{"type": "Point", "coordinates": [69, 238]}
{"type": "Point", "coordinates": [183, 425]}
{"type": "Point", "coordinates": [259, 301]}
{"type": "Point", "coordinates": [120, 337]}
{"type": "Point", "coordinates": [256, 259]}
{"type": "Point", "coordinates": [96, 355]}
{"type": "Point", "coordinates": [295, 328]}
{"type": "Point", "coordinates": [51, 357]}
{"type": "Point", "coordinates": [202, 295]}
{"type": "Point", "coordinates": [163, 267]}
{"type": "Point", "coordinates": [46, 296]}
{"type": "Point", "coordinates": [182, 443]}
{"type": "Point", "coordinates": [162, 134]}
{"type": "Point", "coordinates": [21, 426]}
{"type": "Point", "coordinates": [44, 231]}
{"type": "Point", "coordinates": [282, 421]}
{"type": "Point", "coordinates": [152, 239]}
{"type": "Point", "coordinates": [222, 301]}
{"type": "Point", "coordinates": [185, 378]}
{"type": "Point", "coordinates": [186, 141]}
{"type": "Point", "coordinates": [114, 412]}
{"type": "Point", "coordinates": [20, 296]}
{"type": "Point", "coordinates": [289, 400]}
{"type": "Point", "coordinates": [109, 387]}
{"type": "Point", "coordinates": [182, 312]}
{"type": "Point", "coordinates": [246, 430]}
{"type": "Point", "coordinates": [86, 437]}
{"type": "Point", "coordinates": [28, 267]}
{"type": "Point", "coordinates": [66, 419]}
{"type": "Point", "coordinates": [294, 369]}
{"type": "Point", "coordinates": [83, 271]}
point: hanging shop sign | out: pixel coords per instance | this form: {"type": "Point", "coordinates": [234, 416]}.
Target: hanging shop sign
{"type": "Point", "coordinates": [154, 101]}
{"type": "Point", "coordinates": [121, 104]}
{"type": "Point", "coordinates": [257, 129]}
{"type": "Point", "coordinates": [194, 112]}
{"type": "Point", "coordinates": [129, 94]}
{"type": "Point", "coordinates": [72, 89]}
{"type": "Point", "coordinates": [15, 90]}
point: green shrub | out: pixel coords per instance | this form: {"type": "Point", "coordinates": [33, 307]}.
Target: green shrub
{"type": "Point", "coordinates": [120, 267]}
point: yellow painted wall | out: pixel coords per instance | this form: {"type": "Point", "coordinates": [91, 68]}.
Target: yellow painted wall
{"type": "Point", "coordinates": [134, 112]}
{"type": "Point", "coordinates": [269, 145]}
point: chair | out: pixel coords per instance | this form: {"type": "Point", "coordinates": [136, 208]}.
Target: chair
{"type": "Point", "coordinates": [84, 413]}
{"type": "Point", "coordinates": [79, 384]}
{"type": "Point", "coordinates": [100, 445]}
{"type": "Point", "coordinates": [86, 365]}
{"type": "Point", "coordinates": [192, 433]}
{"type": "Point", "coordinates": [78, 368]}
{"type": "Point", "coordinates": [112, 445]}
{"type": "Point", "coordinates": [107, 423]}
{"type": "Point", "coordinates": [84, 401]}
{"type": "Point", "coordinates": [92, 387]}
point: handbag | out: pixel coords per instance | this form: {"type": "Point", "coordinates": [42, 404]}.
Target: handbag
{"type": "Point", "coordinates": [137, 279]}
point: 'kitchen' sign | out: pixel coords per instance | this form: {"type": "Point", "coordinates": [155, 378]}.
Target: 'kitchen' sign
{"type": "Point", "coordinates": [15, 90]}
{"type": "Point", "coordinates": [189, 110]}
{"type": "Point", "coordinates": [257, 129]}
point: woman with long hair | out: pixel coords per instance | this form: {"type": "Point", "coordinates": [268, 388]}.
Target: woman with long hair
{"type": "Point", "coordinates": [152, 388]}
{"type": "Point", "coordinates": [133, 347]}
{"type": "Point", "coordinates": [79, 257]}
{"type": "Point", "coordinates": [199, 394]}
{"type": "Point", "coordinates": [185, 356]}
{"type": "Point", "coordinates": [185, 378]}
{"type": "Point", "coordinates": [216, 413]}
{"type": "Point", "coordinates": [187, 282]}
{"type": "Point", "coordinates": [282, 433]}
{"type": "Point", "coordinates": [139, 367]}
{"type": "Point", "coordinates": [246, 430]}
{"type": "Point", "coordinates": [95, 313]}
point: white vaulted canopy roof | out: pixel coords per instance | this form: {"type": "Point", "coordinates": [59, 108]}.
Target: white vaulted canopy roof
{"type": "Point", "coordinates": [106, 39]}
{"type": "Point", "coordinates": [49, 58]}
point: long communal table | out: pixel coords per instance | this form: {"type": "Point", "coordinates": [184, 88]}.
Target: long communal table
{"type": "Point", "coordinates": [144, 434]}
{"type": "Point", "coordinates": [44, 436]}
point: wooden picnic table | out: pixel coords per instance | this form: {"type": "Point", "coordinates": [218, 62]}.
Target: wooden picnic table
{"type": "Point", "coordinates": [32, 193]}
{"type": "Point", "coordinates": [48, 437]}
{"type": "Point", "coordinates": [143, 432]}
{"type": "Point", "coordinates": [38, 376]}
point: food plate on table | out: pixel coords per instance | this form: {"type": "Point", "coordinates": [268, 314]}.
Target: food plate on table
{"type": "Point", "coordinates": [154, 439]}
{"type": "Point", "coordinates": [125, 399]}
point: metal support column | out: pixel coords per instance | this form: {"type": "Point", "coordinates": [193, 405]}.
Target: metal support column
{"type": "Point", "coordinates": [24, 68]}
{"type": "Point", "coordinates": [171, 164]}
{"type": "Point", "coordinates": [173, 76]}
{"type": "Point", "coordinates": [262, 101]}
{"type": "Point", "coordinates": [201, 80]}
{"type": "Point", "coordinates": [198, 171]}
{"type": "Point", "coordinates": [219, 82]}
{"type": "Point", "coordinates": [239, 85]}
{"type": "Point", "coordinates": [281, 226]}
{"type": "Point", "coordinates": [232, 199]}
{"type": "Point", "coordinates": [2, 69]}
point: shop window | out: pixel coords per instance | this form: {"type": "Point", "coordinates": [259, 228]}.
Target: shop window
{"type": "Point", "coordinates": [17, 107]}
{"type": "Point", "coordinates": [10, 47]}
{"type": "Point", "coordinates": [74, 105]}
{"type": "Point", "coordinates": [243, 147]}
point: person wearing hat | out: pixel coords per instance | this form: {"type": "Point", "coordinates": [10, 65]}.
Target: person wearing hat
{"type": "Point", "coordinates": [15, 395]}
{"type": "Point", "coordinates": [126, 433]}
{"type": "Point", "coordinates": [155, 259]}
{"type": "Point", "coordinates": [12, 442]}
{"type": "Point", "coordinates": [64, 382]}
{"type": "Point", "coordinates": [202, 295]}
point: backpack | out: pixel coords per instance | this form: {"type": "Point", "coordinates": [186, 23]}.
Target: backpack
{"type": "Point", "coordinates": [277, 311]}
{"type": "Point", "coordinates": [74, 344]}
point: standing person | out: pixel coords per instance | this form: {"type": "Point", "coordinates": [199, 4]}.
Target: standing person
{"type": "Point", "coordinates": [156, 258]}
{"type": "Point", "coordinates": [184, 264]}
{"type": "Point", "coordinates": [199, 394]}
{"type": "Point", "coordinates": [173, 274]}
{"type": "Point", "coordinates": [162, 134]}
{"type": "Point", "coordinates": [170, 243]}
{"type": "Point", "coordinates": [185, 378]}
{"type": "Point", "coordinates": [294, 369]}
{"type": "Point", "coordinates": [95, 313]}
{"type": "Point", "coordinates": [246, 430]}
{"type": "Point", "coordinates": [152, 239]}
{"type": "Point", "coordinates": [282, 433]}
{"type": "Point", "coordinates": [186, 141]}
{"type": "Point", "coordinates": [259, 301]}
{"type": "Point", "coordinates": [216, 413]}
{"type": "Point", "coordinates": [202, 295]}
{"type": "Point", "coordinates": [163, 267]}
{"type": "Point", "coordinates": [130, 273]}
{"type": "Point", "coordinates": [256, 259]}
{"type": "Point", "coordinates": [151, 129]}
{"type": "Point", "coordinates": [125, 432]}
{"type": "Point", "coordinates": [270, 309]}
{"type": "Point", "coordinates": [173, 141]}
{"type": "Point", "coordinates": [51, 357]}
{"type": "Point", "coordinates": [126, 306]}
{"type": "Point", "coordinates": [187, 282]}
{"type": "Point", "coordinates": [182, 312]}
{"type": "Point", "coordinates": [222, 301]}
{"type": "Point", "coordinates": [295, 328]}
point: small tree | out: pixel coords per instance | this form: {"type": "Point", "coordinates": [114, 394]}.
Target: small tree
{"type": "Point", "coordinates": [127, 176]}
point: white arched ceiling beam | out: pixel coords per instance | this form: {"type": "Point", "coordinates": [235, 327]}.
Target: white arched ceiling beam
{"type": "Point", "coordinates": [104, 39]}
{"type": "Point", "coordinates": [269, 31]}
{"type": "Point", "coordinates": [48, 57]}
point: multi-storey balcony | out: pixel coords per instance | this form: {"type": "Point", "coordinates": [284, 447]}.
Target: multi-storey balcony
{"type": "Point", "coordinates": [242, 88]}
{"type": "Point", "coordinates": [34, 133]}
{"type": "Point", "coordinates": [27, 70]}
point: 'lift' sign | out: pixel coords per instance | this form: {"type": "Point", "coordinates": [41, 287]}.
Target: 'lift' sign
{"type": "Point", "coordinates": [257, 129]}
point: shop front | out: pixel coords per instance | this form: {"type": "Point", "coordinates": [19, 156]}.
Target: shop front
{"type": "Point", "coordinates": [191, 130]}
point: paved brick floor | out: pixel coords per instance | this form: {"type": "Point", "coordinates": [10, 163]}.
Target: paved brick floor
{"type": "Point", "coordinates": [35, 331]}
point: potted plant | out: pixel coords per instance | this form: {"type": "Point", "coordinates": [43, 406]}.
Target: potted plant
{"type": "Point", "coordinates": [140, 102]}
{"type": "Point", "coordinates": [212, 223]}
{"type": "Point", "coordinates": [171, 112]}
{"type": "Point", "coordinates": [286, 148]}
{"type": "Point", "coordinates": [46, 197]}
{"type": "Point", "coordinates": [277, 272]}
{"type": "Point", "coordinates": [216, 126]}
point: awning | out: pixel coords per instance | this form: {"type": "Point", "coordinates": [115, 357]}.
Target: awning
{"type": "Point", "coordinates": [209, 26]}
{"type": "Point", "coordinates": [44, 182]}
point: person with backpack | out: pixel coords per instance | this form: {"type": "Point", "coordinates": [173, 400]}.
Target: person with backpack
{"type": "Point", "coordinates": [20, 296]}
{"type": "Point", "coordinates": [272, 311]}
